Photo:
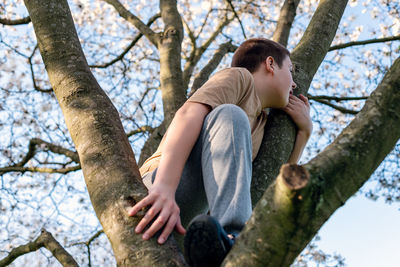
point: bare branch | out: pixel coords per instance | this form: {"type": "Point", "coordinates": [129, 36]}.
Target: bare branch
{"type": "Point", "coordinates": [128, 48]}
{"type": "Point", "coordinates": [198, 52]}
{"type": "Point", "coordinates": [32, 149]}
{"type": "Point", "coordinates": [237, 16]}
{"type": "Point", "coordinates": [49, 146]}
{"type": "Point", "coordinates": [87, 244]}
{"type": "Point", "coordinates": [190, 33]}
{"type": "Point", "coordinates": [143, 28]}
{"type": "Point", "coordinates": [204, 22]}
{"type": "Point", "coordinates": [203, 75]}
{"type": "Point", "coordinates": [50, 90]}
{"type": "Point", "coordinates": [141, 130]}
{"type": "Point", "coordinates": [370, 41]}
{"type": "Point", "coordinates": [46, 240]}
{"type": "Point", "coordinates": [40, 170]}
{"type": "Point", "coordinates": [341, 109]}
{"type": "Point", "coordinates": [336, 98]}
{"type": "Point", "coordinates": [286, 18]}
{"type": "Point", "coordinates": [11, 22]}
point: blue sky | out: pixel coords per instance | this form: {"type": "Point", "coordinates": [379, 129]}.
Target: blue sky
{"type": "Point", "coordinates": [365, 232]}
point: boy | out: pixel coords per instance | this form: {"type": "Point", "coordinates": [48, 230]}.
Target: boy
{"type": "Point", "coordinates": [204, 159]}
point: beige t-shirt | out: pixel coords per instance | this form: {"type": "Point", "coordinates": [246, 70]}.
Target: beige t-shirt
{"type": "Point", "coordinates": [228, 86]}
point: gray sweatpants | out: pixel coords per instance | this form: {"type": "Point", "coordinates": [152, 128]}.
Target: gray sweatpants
{"type": "Point", "coordinates": [217, 174]}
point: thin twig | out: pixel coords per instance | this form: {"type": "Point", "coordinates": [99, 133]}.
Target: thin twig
{"type": "Point", "coordinates": [370, 41]}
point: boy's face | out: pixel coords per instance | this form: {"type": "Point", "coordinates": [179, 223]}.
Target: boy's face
{"type": "Point", "coordinates": [273, 83]}
{"type": "Point", "coordinates": [283, 82]}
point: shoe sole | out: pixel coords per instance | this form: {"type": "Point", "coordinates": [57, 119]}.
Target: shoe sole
{"type": "Point", "coordinates": [204, 246]}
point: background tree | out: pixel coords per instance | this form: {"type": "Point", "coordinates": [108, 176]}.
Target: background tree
{"type": "Point", "coordinates": [149, 57]}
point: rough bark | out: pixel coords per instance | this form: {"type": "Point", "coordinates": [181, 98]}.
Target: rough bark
{"type": "Point", "coordinates": [286, 18]}
{"type": "Point", "coordinates": [286, 219]}
{"type": "Point", "coordinates": [280, 131]}
{"type": "Point", "coordinates": [106, 157]}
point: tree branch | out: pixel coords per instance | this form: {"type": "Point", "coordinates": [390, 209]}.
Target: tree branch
{"type": "Point", "coordinates": [341, 109]}
{"type": "Point", "coordinates": [143, 28]}
{"type": "Point", "coordinates": [284, 221]}
{"type": "Point", "coordinates": [128, 48]}
{"type": "Point", "coordinates": [53, 148]}
{"type": "Point", "coordinates": [11, 22]}
{"type": "Point", "coordinates": [198, 52]}
{"type": "Point", "coordinates": [285, 21]}
{"type": "Point", "coordinates": [140, 130]}
{"type": "Point", "coordinates": [46, 240]}
{"type": "Point", "coordinates": [336, 98]}
{"type": "Point", "coordinates": [37, 88]}
{"type": "Point", "coordinates": [87, 245]}
{"type": "Point", "coordinates": [237, 16]}
{"type": "Point", "coordinates": [370, 41]}
{"type": "Point", "coordinates": [40, 170]}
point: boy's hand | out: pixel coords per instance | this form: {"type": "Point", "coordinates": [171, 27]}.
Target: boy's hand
{"type": "Point", "coordinates": [298, 109]}
{"type": "Point", "coordinates": [162, 201]}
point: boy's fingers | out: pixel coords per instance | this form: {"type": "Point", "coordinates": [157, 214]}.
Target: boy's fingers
{"type": "Point", "coordinates": [305, 99]}
{"type": "Point", "coordinates": [147, 218]}
{"type": "Point", "coordinates": [140, 205]}
{"type": "Point", "coordinates": [179, 227]}
{"type": "Point", "coordinates": [168, 228]}
{"type": "Point", "coordinates": [157, 224]}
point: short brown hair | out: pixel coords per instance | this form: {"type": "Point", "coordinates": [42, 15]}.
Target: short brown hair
{"type": "Point", "coordinates": [253, 51]}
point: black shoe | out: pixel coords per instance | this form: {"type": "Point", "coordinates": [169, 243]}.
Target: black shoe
{"type": "Point", "coordinates": [206, 243]}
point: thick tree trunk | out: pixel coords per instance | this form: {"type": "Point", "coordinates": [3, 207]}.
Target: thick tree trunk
{"type": "Point", "coordinates": [106, 157]}
{"type": "Point", "coordinates": [289, 214]}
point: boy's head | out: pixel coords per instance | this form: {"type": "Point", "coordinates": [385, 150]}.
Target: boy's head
{"type": "Point", "coordinates": [270, 64]}
{"type": "Point", "coordinates": [251, 53]}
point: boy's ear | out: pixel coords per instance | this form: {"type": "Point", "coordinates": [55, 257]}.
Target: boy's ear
{"type": "Point", "coordinates": [269, 64]}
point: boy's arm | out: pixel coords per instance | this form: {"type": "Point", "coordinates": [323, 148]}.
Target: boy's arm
{"type": "Point", "coordinates": [182, 135]}
{"type": "Point", "coordinates": [298, 109]}
{"type": "Point", "coordinates": [301, 141]}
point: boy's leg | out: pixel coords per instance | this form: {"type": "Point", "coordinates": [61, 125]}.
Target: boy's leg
{"type": "Point", "coordinates": [190, 195]}
{"type": "Point", "coordinates": [226, 165]}
{"type": "Point", "coordinates": [218, 170]}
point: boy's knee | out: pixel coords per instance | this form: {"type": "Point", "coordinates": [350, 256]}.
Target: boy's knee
{"type": "Point", "coordinates": [236, 111]}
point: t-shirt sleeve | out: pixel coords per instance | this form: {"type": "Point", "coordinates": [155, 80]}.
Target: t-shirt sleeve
{"type": "Point", "coordinates": [228, 86]}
